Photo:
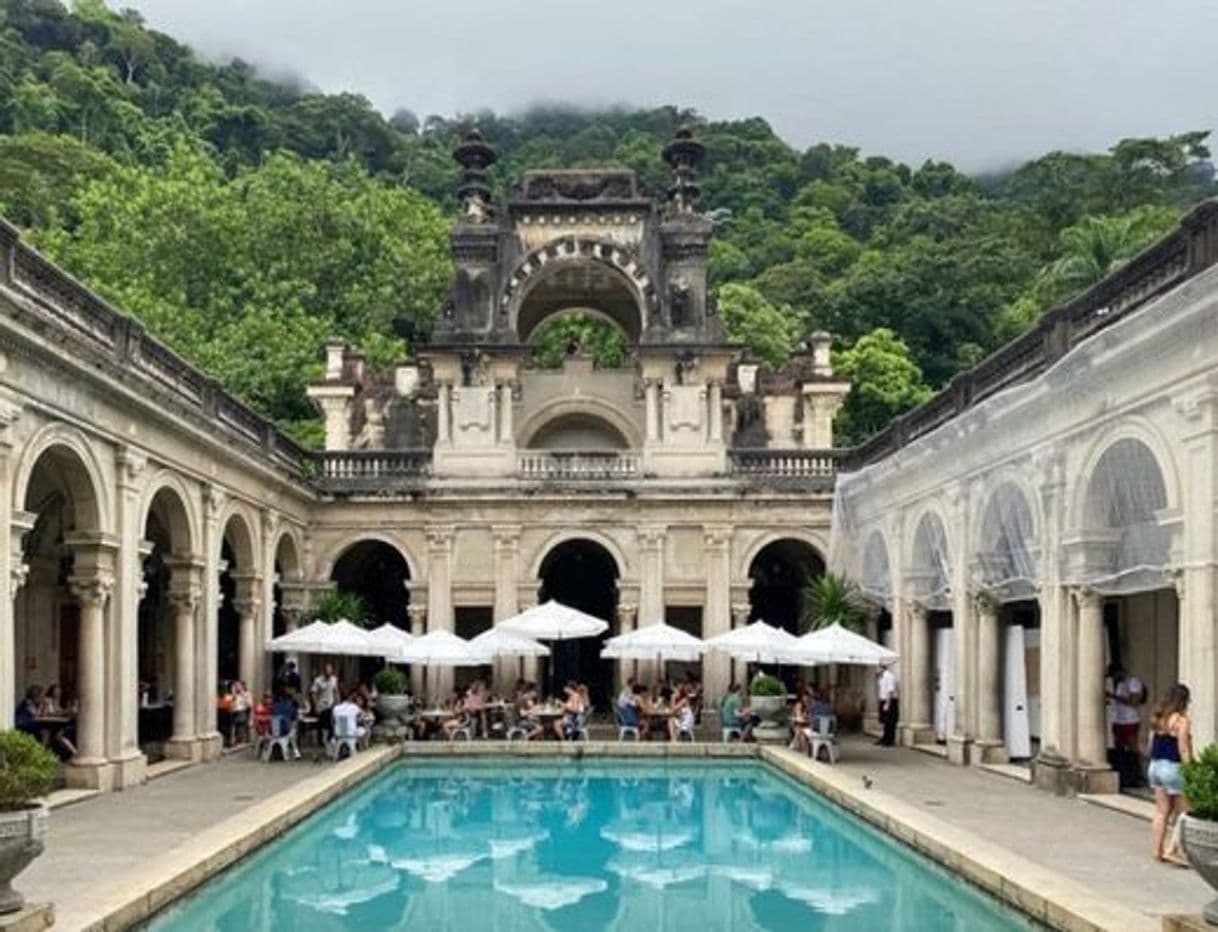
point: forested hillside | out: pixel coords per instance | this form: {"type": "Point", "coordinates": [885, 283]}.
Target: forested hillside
{"type": "Point", "coordinates": [245, 220]}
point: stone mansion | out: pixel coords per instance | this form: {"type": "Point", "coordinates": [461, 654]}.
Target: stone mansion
{"type": "Point", "coordinates": [1051, 511]}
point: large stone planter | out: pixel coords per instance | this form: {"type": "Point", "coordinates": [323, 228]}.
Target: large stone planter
{"type": "Point", "coordinates": [392, 717]}
{"type": "Point", "coordinates": [21, 835]}
{"type": "Point", "coordinates": [772, 710]}
{"type": "Point", "coordinates": [1201, 847]}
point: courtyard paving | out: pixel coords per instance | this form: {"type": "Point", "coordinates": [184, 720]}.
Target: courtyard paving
{"type": "Point", "coordinates": [1103, 849]}
{"type": "Point", "coordinates": [120, 834]}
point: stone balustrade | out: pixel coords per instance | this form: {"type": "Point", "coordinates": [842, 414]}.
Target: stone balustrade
{"type": "Point", "coordinates": [782, 465]}
{"type": "Point", "coordinates": [577, 464]}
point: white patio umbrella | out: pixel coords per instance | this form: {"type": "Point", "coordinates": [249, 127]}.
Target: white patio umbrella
{"type": "Point", "coordinates": [441, 649]}
{"type": "Point", "coordinates": [553, 621]}
{"type": "Point", "coordinates": [755, 643]}
{"type": "Point", "coordinates": [501, 642]}
{"type": "Point", "coordinates": [302, 640]}
{"type": "Point", "coordinates": [658, 642]}
{"type": "Point", "coordinates": [835, 644]}
{"type": "Point", "coordinates": [344, 639]}
{"type": "Point", "coordinates": [389, 640]}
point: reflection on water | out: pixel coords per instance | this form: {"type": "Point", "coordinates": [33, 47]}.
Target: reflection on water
{"type": "Point", "coordinates": [619, 846]}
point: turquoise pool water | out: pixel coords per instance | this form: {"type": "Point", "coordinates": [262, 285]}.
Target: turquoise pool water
{"type": "Point", "coordinates": [472, 845]}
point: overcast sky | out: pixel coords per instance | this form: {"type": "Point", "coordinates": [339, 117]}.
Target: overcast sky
{"type": "Point", "coordinates": [979, 82]}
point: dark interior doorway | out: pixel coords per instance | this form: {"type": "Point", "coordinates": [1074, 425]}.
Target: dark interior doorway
{"type": "Point", "coordinates": [583, 575]}
{"type": "Point", "coordinates": [780, 571]}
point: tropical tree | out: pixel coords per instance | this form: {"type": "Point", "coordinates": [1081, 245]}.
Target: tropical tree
{"type": "Point", "coordinates": [831, 598]}
{"type": "Point", "coordinates": [340, 605]}
{"type": "Point", "coordinates": [886, 383]}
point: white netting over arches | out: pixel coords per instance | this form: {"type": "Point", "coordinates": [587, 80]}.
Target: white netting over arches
{"type": "Point", "coordinates": [1124, 545]}
{"type": "Point", "coordinates": [875, 580]}
{"type": "Point", "coordinates": [930, 568]}
{"type": "Point", "coordinates": [1005, 563]}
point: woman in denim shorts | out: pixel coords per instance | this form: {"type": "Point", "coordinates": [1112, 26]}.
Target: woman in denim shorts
{"type": "Point", "coordinates": [1171, 744]}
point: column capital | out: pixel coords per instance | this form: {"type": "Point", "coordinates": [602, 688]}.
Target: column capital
{"type": "Point", "coordinates": [93, 589]}
{"type": "Point", "coordinates": [651, 536]}
{"type": "Point", "coordinates": [507, 536]}
{"type": "Point", "coordinates": [1086, 597]}
{"type": "Point", "coordinates": [292, 611]}
{"type": "Point", "coordinates": [10, 414]}
{"type": "Point", "coordinates": [213, 500]}
{"type": "Point", "coordinates": [440, 537]}
{"type": "Point", "coordinates": [247, 608]}
{"type": "Point", "coordinates": [418, 616]}
{"type": "Point", "coordinates": [740, 614]}
{"type": "Point", "coordinates": [915, 610]}
{"type": "Point", "coordinates": [717, 536]}
{"type": "Point", "coordinates": [984, 602]}
{"type": "Point", "coordinates": [1177, 580]}
{"type": "Point", "coordinates": [185, 598]}
{"type": "Point", "coordinates": [18, 571]}
{"type": "Point", "coordinates": [131, 462]}
{"type": "Point", "coordinates": [627, 610]}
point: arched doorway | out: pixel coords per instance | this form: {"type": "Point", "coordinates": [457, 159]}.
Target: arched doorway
{"type": "Point", "coordinates": [237, 624]}
{"type": "Point", "coordinates": [62, 514]}
{"type": "Point", "coordinates": [378, 573]}
{"type": "Point", "coordinates": [780, 572]}
{"type": "Point", "coordinates": [583, 574]}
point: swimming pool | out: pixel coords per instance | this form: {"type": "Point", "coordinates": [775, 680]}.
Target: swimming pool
{"type": "Point", "coordinates": [472, 844]}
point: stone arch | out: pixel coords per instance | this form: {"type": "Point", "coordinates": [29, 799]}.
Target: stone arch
{"type": "Point", "coordinates": [1134, 429]}
{"type": "Point", "coordinates": [1004, 558]}
{"type": "Point", "coordinates": [875, 573]}
{"type": "Point", "coordinates": [237, 529]}
{"type": "Point", "coordinates": [596, 537]}
{"type": "Point", "coordinates": [624, 270]}
{"type": "Point", "coordinates": [331, 557]}
{"type": "Point", "coordinates": [813, 540]}
{"type": "Point", "coordinates": [595, 408]}
{"type": "Point", "coordinates": [82, 471]}
{"type": "Point", "coordinates": [288, 554]}
{"type": "Point", "coordinates": [779, 572]}
{"type": "Point", "coordinates": [169, 494]}
{"type": "Point", "coordinates": [929, 557]}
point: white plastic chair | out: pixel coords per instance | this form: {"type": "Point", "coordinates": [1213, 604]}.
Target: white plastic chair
{"type": "Point", "coordinates": [623, 730]}
{"type": "Point", "coordinates": [728, 732]}
{"type": "Point", "coordinates": [823, 734]}
{"type": "Point", "coordinates": [346, 735]}
{"type": "Point", "coordinates": [284, 739]}
{"type": "Point", "coordinates": [464, 732]}
{"type": "Point", "coordinates": [581, 724]}
{"type": "Point", "coordinates": [685, 731]}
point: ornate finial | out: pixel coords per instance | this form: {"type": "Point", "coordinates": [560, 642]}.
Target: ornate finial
{"type": "Point", "coordinates": [685, 155]}
{"type": "Point", "coordinates": [475, 156]}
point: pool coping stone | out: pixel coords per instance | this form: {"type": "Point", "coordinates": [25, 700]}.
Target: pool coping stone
{"type": "Point", "coordinates": [1036, 891]}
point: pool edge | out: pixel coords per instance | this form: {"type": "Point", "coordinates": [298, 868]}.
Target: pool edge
{"type": "Point", "coordinates": [1036, 891]}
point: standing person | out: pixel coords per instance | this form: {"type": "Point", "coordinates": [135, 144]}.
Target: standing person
{"type": "Point", "coordinates": [324, 696]}
{"type": "Point", "coordinates": [1128, 693]}
{"type": "Point", "coordinates": [890, 709]}
{"type": "Point", "coordinates": [1171, 744]}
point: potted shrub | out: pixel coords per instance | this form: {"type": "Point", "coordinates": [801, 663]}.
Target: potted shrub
{"type": "Point", "coordinates": [768, 700]}
{"type": "Point", "coordinates": [27, 771]}
{"type": "Point", "coordinates": [1199, 827]}
{"type": "Point", "coordinates": [392, 704]}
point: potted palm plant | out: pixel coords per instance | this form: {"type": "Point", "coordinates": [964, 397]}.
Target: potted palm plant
{"type": "Point", "coordinates": [1199, 827]}
{"type": "Point", "coordinates": [832, 598]}
{"type": "Point", "coordinates": [27, 772]}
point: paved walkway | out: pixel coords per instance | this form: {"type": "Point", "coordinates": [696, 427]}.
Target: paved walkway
{"type": "Point", "coordinates": [1102, 849]}
{"type": "Point", "coordinates": [94, 841]}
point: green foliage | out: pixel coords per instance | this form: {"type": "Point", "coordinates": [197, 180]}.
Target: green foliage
{"type": "Point", "coordinates": [245, 220]}
{"type": "Point", "coordinates": [769, 331]}
{"type": "Point", "coordinates": [27, 770]}
{"type": "Point", "coordinates": [596, 338]}
{"type": "Point", "coordinates": [832, 598]}
{"type": "Point", "coordinates": [337, 605]}
{"type": "Point", "coordinates": [887, 382]}
{"type": "Point", "coordinates": [1200, 777]}
{"type": "Point", "coordinates": [766, 685]}
{"type": "Point", "coordinates": [389, 681]}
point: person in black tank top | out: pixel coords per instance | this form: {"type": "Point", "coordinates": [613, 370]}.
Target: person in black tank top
{"type": "Point", "coordinates": [1171, 744]}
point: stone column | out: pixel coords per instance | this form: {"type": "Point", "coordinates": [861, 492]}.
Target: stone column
{"type": "Point", "coordinates": [651, 392]}
{"type": "Point", "coordinates": [627, 616]}
{"type": "Point", "coordinates": [651, 586]}
{"type": "Point", "coordinates": [12, 569]}
{"type": "Point", "coordinates": [989, 743]}
{"type": "Point", "coordinates": [247, 603]}
{"type": "Point", "coordinates": [507, 428]}
{"type": "Point", "coordinates": [89, 767]}
{"type": "Point", "coordinates": [507, 563]}
{"type": "Point", "coordinates": [717, 618]}
{"type": "Point", "coordinates": [443, 414]}
{"type": "Point", "coordinates": [740, 618]}
{"type": "Point", "coordinates": [439, 596]}
{"type": "Point", "coordinates": [917, 696]}
{"type": "Point", "coordinates": [185, 596]}
{"type": "Point", "coordinates": [207, 629]}
{"type": "Point", "coordinates": [418, 627]}
{"type": "Point", "coordinates": [1089, 679]}
{"type": "Point", "coordinates": [716, 411]}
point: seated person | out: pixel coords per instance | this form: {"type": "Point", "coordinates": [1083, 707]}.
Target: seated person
{"type": "Point", "coordinates": [262, 715]}
{"type": "Point", "coordinates": [733, 713]}
{"type": "Point", "coordinates": [683, 719]}
{"type": "Point", "coordinates": [459, 718]}
{"type": "Point", "coordinates": [819, 706]}
{"type": "Point", "coordinates": [527, 717]}
{"type": "Point", "coordinates": [568, 727]}
{"type": "Point", "coordinates": [346, 719]}
{"type": "Point", "coordinates": [628, 710]}
{"type": "Point", "coordinates": [801, 729]}
{"type": "Point", "coordinates": [475, 703]}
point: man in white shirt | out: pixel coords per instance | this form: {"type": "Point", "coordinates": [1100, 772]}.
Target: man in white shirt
{"type": "Point", "coordinates": [1127, 694]}
{"type": "Point", "coordinates": [886, 688]}
{"type": "Point", "coordinates": [324, 693]}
